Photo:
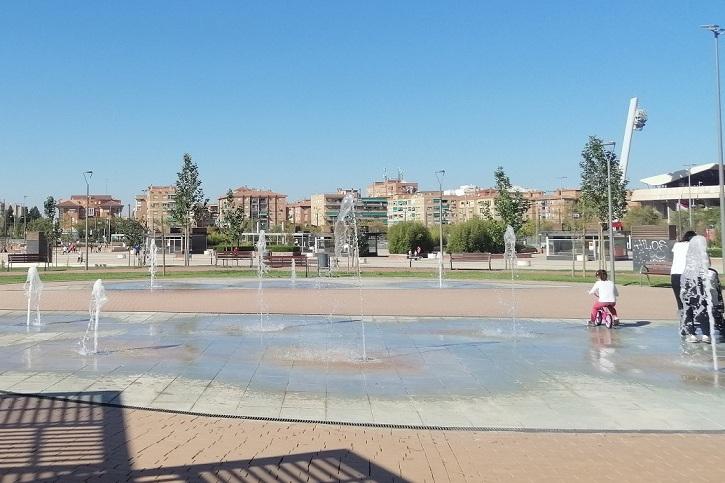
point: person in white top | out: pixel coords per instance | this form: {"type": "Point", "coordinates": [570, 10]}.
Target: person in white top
{"type": "Point", "coordinates": [606, 293]}
{"type": "Point", "coordinates": [679, 255]}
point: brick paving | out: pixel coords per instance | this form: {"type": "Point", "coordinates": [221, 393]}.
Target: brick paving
{"type": "Point", "coordinates": [51, 440]}
{"type": "Point", "coordinates": [43, 439]}
{"type": "Point", "coordinates": [635, 303]}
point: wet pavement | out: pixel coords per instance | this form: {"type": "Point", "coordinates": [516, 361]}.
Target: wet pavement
{"type": "Point", "coordinates": [318, 283]}
{"type": "Point", "coordinates": [451, 372]}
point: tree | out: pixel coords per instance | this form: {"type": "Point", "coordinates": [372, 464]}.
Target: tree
{"type": "Point", "coordinates": [188, 199]}
{"type": "Point", "coordinates": [477, 235]}
{"type": "Point", "coordinates": [594, 183]}
{"type": "Point", "coordinates": [49, 207]}
{"type": "Point", "coordinates": [641, 215]}
{"type": "Point", "coordinates": [232, 219]}
{"type": "Point", "coordinates": [8, 219]}
{"type": "Point", "coordinates": [132, 230]}
{"type": "Point", "coordinates": [409, 235]}
{"type": "Point", "coordinates": [600, 170]}
{"type": "Point", "coordinates": [33, 214]}
{"type": "Point", "coordinates": [510, 204]}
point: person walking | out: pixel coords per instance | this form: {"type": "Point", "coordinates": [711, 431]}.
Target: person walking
{"type": "Point", "coordinates": [679, 255]}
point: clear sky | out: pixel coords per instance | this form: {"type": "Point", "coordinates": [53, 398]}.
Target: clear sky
{"type": "Point", "coordinates": [304, 97]}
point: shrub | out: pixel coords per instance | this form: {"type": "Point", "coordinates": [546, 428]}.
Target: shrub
{"type": "Point", "coordinates": [283, 248]}
{"type": "Point", "coordinates": [476, 235]}
{"type": "Point", "coordinates": [409, 235]}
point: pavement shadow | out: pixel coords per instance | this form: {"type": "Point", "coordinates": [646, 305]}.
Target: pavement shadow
{"type": "Point", "coordinates": [54, 438]}
{"type": "Point", "coordinates": [635, 323]}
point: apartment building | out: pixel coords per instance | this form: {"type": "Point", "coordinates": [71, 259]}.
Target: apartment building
{"type": "Point", "coordinates": [72, 212]}
{"type": "Point", "coordinates": [325, 208]}
{"type": "Point", "coordinates": [154, 206]}
{"type": "Point", "coordinates": [423, 206]}
{"type": "Point", "coordinates": [555, 207]}
{"type": "Point", "coordinates": [263, 208]}
{"type": "Point", "coordinates": [391, 187]}
{"type": "Point", "coordinates": [299, 213]}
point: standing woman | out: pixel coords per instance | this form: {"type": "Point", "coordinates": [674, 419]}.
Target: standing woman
{"type": "Point", "coordinates": [679, 255]}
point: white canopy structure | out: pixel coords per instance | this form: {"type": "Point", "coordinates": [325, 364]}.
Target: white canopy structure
{"type": "Point", "coordinates": [667, 178]}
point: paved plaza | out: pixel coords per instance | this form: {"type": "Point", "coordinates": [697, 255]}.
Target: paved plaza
{"type": "Point", "coordinates": [478, 381]}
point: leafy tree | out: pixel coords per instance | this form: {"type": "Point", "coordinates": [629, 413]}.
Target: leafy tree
{"type": "Point", "coordinates": [409, 235]}
{"type": "Point", "coordinates": [133, 231]}
{"type": "Point", "coordinates": [702, 219]}
{"type": "Point", "coordinates": [477, 235]}
{"type": "Point", "coordinates": [600, 169]}
{"type": "Point", "coordinates": [33, 214]}
{"type": "Point", "coordinates": [510, 205]}
{"type": "Point", "coordinates": [189, 198]}
{"type": "Point", "coordinates": [7, 219]}
{"type": "Point", "coordinates": [233, 219]}
{"type": "Point", "coordinates": [49, 207]}
{"type": "Point", "coordinates": [641, 215]}
{"type": "Point", "coordinates": [594, 182]}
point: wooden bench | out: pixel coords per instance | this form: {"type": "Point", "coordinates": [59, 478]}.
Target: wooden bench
{"type": "Point", "coordinates": [285, 261]}
{"type": "Point", "coordinates": [413, 258]}
{"type": "Point", "coordinates": [25, 258]}
{"type": "Point", "coordinates": [471, 257]}
{"type": "Point", "coordinates": [654, 268]}
{"type": "Point", "coordinates": [235, 256]}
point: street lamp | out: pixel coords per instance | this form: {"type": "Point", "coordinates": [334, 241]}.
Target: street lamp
{"type": "Point", "coordinates": [716, 31]}
{"type": "Point", "coordinates": [561, 199]}
{"type": "Point", "coordinates": [25, 221]}
{"type": "Point", "coordinates": [689, 195]}
{"type": "Point", "coordinates": [87, 175]}
{"type": "Point", "coordinates": [609, 203]}
{"type": "Point", "coordinates": [439, 175]}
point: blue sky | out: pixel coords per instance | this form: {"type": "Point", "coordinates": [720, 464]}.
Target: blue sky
{"type": "Point", "coordinates": [305, 97]}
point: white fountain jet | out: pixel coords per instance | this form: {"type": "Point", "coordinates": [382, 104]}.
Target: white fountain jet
{"type": "Point", "coordinates": [33, 288]}
{"type": "Point", "coordinates": [346, 236]}
{"type": "Point", "coordinates": [153, 252]}
{"type": "Point", "coordinates": [262, 269]}
{"type": "Point", "coordinates": [697, 290]}
{"type": "Point", "coordinates": [509, 240]}
{"type": "Point", "coordinates": [98, 299]}
{"type": "Point", "coordinates": [293, 272]}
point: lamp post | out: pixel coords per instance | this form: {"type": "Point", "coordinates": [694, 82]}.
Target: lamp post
{"type": "Point", "coordinates": [689, 194]}
{"type": "Point", "coordinates": [716, 31]}
{"type": "Point", "coordinates": [87, 175]}
{"type": "Point", "coordinates": [439, 175]}
{"type": "Point", "coordinates": [609, 203]}
{"type": "Point", "coordinates": [25, 221]}
{"type": "Point", "coordinates": [561, 199]}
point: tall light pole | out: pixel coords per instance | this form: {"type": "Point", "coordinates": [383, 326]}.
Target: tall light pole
{"type": "Point", "coordinates": [716, 31]}
{"type": "Point", "coordinates": [689, 195]}
{"type": "Point", "coordinates": [609, 203]}
{"type": "Point", "coordinates": [87, 175]}
{"type": "Point", "coordinates": [439, 175]}
{"type": "Point", "coordinates": [25, 221]}
{"type": "Point", "coordinates": [561, 199]}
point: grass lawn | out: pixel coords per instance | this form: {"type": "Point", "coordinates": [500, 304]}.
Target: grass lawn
{"type": "Point", "coordinates": [123, 273]}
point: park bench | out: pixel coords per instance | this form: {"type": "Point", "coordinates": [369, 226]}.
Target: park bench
{"type": "Point", "coordinates": [414, 258]}
{"type": "Point", "coordinates": [654, 268]}
{"type": "Point", "coordinates": [471, 257]}
{"type": "Point", "coordinates": [25, 258]}
{"type": "Point", "coordinates": [234, 256]}
{"type": "Point", "coordinates": [285, 261]}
